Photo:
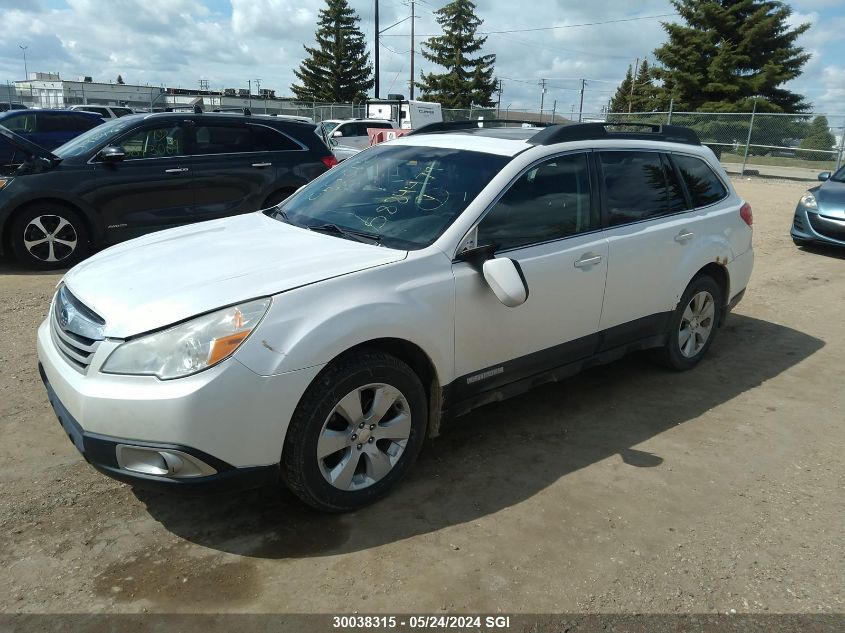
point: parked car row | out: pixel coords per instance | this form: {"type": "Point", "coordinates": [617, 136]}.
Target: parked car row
{"type": "Point", "coordinates": [141, 173]}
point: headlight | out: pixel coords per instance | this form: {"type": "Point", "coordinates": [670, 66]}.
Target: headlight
{"type": "Point", "coordinates": [188, 347]}
{"type": "Point", "coordinates": [4, 182]}
{"type": "Point", "coordinates": [808, 200]}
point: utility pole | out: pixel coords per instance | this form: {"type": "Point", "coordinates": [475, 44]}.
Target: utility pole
{"type": "Point", "coordinates": [376, 51]}
{"type": "Point", "coordinates": [258, 91]}
{"type": "Point", "coordinates": [25, 70]}
{"type": "Point", "coordinates": [249, 90]}
{"type": "Point", "coordinates": [413, 19]}
{"type": "Point", "coordinates": [542, 97]}
{"type": "Point", "coordinates": [581, 107]}
{"type": "Point", "coordinates": [499, 100]}
{"type": "Point", "coordinates": [633, 83]}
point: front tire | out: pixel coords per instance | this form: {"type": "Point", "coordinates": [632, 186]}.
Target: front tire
{"type": "Point", "coordinates": [693, 325]}
{"type": "Point", "coordinates": [46, 235]}
{"type": "Point", "coordinates": [357, 430]}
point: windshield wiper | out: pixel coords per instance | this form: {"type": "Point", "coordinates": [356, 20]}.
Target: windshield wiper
{"type": "Point", "coordinates": [280, 214]}
{"type": "Point", "coordinates": [360, 236]}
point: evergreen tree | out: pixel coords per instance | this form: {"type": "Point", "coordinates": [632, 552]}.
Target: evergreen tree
{"type": "Point", "coordinates": [730, 53]}
{"type": "Point", "coordinates": [120, 79]}
{"type": "Point", "coordinates": [338, 68]}
{"type": "Point", "coordinates": [818, 137]}
{"type": "Point", "coordinates": [637, 94]}
{"type": "Point", "coordinates": [620, 100]}
{"type": "Point", "coordinates": [467, 80]}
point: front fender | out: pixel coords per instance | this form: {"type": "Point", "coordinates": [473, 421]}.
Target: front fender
{"type": "Point", "coordinates": [313, 325]}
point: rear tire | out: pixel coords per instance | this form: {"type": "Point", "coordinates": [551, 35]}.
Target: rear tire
{"type": "Point", "coordinates": [47, 235]}
{"type": "Point", "coordinates": [337, 460]}
{"type": "Point", "coordinates": [693, 325]}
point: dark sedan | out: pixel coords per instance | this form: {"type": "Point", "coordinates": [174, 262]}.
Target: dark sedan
{"type": "Point", "coordinates": [146, 172]}
{"type": "Point", "coordinates": [820, 214]}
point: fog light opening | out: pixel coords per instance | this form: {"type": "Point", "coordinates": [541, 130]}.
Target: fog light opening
{"type": "Point", "coordinates": [161, 462]}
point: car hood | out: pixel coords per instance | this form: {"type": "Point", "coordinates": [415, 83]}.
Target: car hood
{"type": "Point", "coordinates": [172, 275]}
{"type": "Point", "coordinates": [33, 149]}
{"type": "Point", "coordinates": [831, 199]}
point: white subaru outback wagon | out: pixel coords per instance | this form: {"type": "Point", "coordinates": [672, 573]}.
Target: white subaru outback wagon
{"type": "Point", "coordinates": [321, 341]}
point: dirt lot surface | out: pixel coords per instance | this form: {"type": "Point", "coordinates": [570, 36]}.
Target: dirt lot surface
{"type": "Point", "coordinates": [627, 488]}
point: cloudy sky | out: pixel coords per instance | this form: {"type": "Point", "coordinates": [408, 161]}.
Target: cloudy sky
{"type": "Point", "coordinates": [227, 42]}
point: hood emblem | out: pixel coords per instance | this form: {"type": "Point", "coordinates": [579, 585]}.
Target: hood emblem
{"type": "Point", "coordinates": [64, 317]}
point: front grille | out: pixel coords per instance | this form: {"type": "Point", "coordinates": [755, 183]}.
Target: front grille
{"type": "Point", "coordinates": [834, 229]}
{"type": "Point", "coordinates": [75, 329]}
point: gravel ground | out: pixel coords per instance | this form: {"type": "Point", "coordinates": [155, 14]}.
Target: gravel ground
{"type": "Point", "coordinates": [627, 488]}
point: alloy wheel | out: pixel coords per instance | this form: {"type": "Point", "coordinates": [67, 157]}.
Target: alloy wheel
{"type": "Point", "coordinates": [50, 238]}
{"type": "Point", "coordinates": [364, 436]}
{"type": "Point", "coordinates": [697, 324]}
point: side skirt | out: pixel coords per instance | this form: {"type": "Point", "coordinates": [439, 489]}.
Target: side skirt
{"type": "Point", "coordinates": [517, 376]}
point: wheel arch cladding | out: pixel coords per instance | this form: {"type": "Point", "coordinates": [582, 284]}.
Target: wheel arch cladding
{"type": "Point", "coordinates": [419, 361]}
{"type": "Point", "coordinates": [719, 273]}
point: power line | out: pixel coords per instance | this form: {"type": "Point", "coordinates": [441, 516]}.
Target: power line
{"type": "Point", "coordinates": [552, 28]}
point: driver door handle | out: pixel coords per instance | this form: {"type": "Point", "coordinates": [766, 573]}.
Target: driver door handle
{"type": "Point", "coordinates": [683, 236]}
{"type": "Point", "coordinates": [588, 261]}
{"type": "Point", "coordinates": [261, 164]}
{"type": "Point", "coordinates": [177, 170]}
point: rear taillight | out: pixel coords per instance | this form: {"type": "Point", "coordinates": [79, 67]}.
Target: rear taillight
{"type": "Point", "coordinates": [331, 161]}
{"type": "Point", "coordinates": [746, 214]}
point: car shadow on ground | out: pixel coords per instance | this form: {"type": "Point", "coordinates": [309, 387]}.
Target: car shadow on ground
{"type": "Point", "coordinates": [10, 266]}
{"type": "Point", "coordinates": [836, 252]}
{"type": "Point", "coordinates": [501, 454]}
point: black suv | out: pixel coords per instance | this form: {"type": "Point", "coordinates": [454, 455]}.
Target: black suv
{"type": "Point", "coordinates": [146, 172]}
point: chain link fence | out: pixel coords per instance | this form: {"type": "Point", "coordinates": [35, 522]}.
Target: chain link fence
{"type": "Point", "coordinates": [761, 142]}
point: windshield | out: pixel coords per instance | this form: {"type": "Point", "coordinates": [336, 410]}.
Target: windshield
{"type": "Point", "coordinates": [328, 126]}
{"type": "Point", "coordinates": [405, 195]}
{"type": "Point", "coordinates": [92, 139]}
{"type": "Point", "coordinates": [839, 176]}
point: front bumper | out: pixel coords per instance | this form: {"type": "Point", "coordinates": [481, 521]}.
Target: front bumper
{"type": "Point", "coordinates": [101, 452]}
{"type": "Point", "coordinates": [228, 416]}
{"type": "Point", "coordinates": [810, 226]}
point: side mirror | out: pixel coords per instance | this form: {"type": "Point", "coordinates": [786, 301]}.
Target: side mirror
{"type": "Point", "coordinates": [506, 281]}
{"type": "Point", "coordinates": [112, 154]}
{"type": "Point", "coordinates": [825, 175]}
{"type": "Point", "coordinates": [337, 134]}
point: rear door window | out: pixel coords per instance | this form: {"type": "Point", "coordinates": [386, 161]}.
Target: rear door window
{"type": "Point", "coordinates": [47, 123]}
{"type": "Point", "coordinates": [223, 139]}
{"type": "Point", "coordinates": [119, 112]}
{"type": "Point", "coordinates": [639, 186]}
{"type": "Point", "coordinates": [703, 184]}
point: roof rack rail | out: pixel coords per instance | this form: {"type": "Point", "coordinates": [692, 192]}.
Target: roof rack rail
{"type": "Point", "coordinates": [450, 126]}
{"type": "Point", "coordinates": [598, 131]}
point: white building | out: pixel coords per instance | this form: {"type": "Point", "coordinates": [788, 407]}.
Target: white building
{"type": "Point", "coordinates": [48, 90]}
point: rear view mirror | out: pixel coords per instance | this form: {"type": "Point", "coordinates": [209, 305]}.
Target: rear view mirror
{"type": "Point", "coordinates": [825, 175]}
{"type": "Point", "coordinates": [506, 281]}
{"type": "Point", "coordinates": [112, 154]}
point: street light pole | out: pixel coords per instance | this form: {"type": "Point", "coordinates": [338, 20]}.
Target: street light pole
{"type": "Point", "coordinates": [25, 69]}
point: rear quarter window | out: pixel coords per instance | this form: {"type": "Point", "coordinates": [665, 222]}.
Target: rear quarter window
{"type": "Point", "coordinates": [703, 184]}
{"type": "Point", "coordinates": [267, 139]}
